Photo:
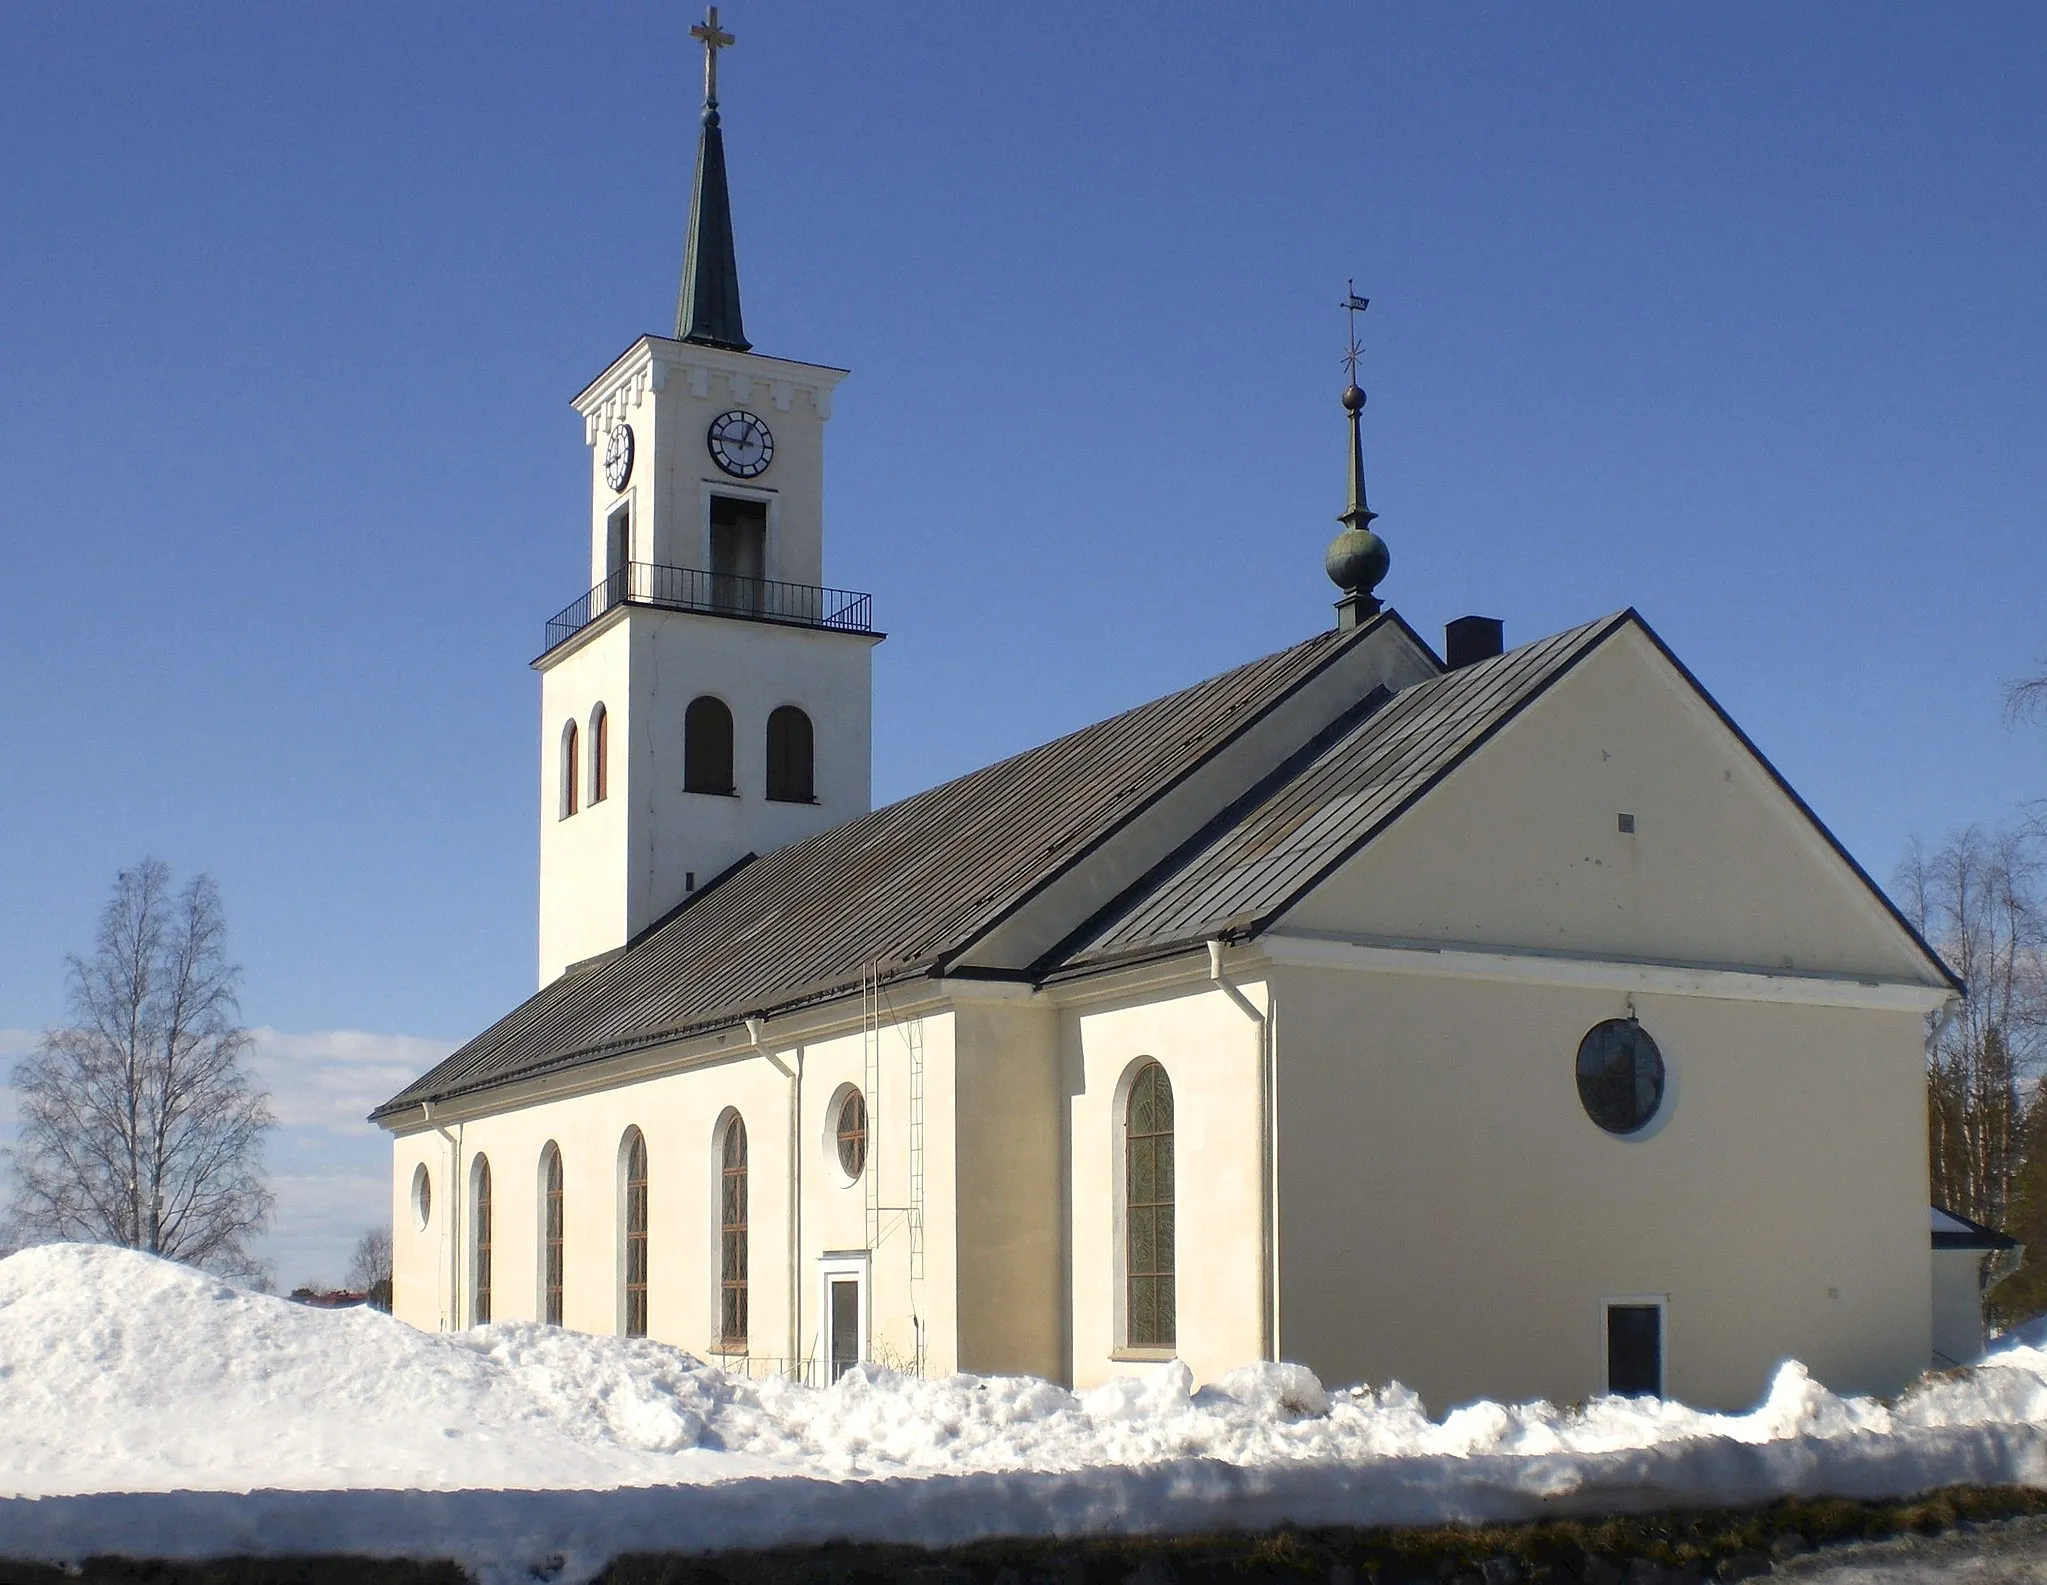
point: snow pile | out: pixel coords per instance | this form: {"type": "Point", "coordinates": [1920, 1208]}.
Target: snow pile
{"type": "Point", "coordinates": [147, 1408]}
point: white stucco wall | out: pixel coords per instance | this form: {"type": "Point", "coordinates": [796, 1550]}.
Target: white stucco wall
{"type": "Point", "coordinates": [1451, 1218]}
{"type": "Point", "coordinates": [1210, 1051]}
{"type": "Point", "coordinates": [802, 1207]}
{"type": "Point", "coordinates": [1521, 847]}
{"type": "Point", "coordinates": [1957, 1307]}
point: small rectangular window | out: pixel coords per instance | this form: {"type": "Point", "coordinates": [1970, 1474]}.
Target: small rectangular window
{"type": "Point", "coordinates": [1634, 1350]}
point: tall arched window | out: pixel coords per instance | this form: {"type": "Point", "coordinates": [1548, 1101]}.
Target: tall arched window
{"type": "Point", "coordinates": [600, 754]}
{"type": "Point", "coordinates": [479, 1241]}
{"type": "Point", "coordinates": [1148, 1210]}
{"type": "Point", "coordinates": [707, 746]}
{"type": "Point", "coordinates": [732, 1236]}
{"type": "Point", "coordinates": [790, 777]}
{"type": "Point", "coordinates": [551, 1234]}
{"type": "Point", "coordinates": [570, 772]}
{"type": "Point", "coordinates": [635, 1233]}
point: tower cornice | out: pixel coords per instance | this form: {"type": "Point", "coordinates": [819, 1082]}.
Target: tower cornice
{"type": "Point", "coordinates": [752, 379]}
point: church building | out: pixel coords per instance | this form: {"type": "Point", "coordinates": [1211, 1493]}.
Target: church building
{"type": "Point", "coordinates": [1495, 1020]}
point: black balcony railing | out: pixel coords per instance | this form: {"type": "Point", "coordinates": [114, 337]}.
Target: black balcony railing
{"type": "Point", "coordinates": [720, 593]}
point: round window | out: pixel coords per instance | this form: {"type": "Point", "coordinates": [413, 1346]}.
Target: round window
{"type": "Point", "coordinates": [1620, 1075]}
{"type": "Point", "coordinates": [852, 1132]}
{"type": "Point", "coordinates": [422, 1194]}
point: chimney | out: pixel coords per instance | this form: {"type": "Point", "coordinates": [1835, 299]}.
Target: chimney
{"type": "Point", "coordinates": [1472, 638]}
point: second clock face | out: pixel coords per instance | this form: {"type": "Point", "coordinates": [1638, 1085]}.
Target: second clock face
{"type": "Point", "coordinates": [740, 444]}
{"type": "Point", "coordinates": [618, 456]}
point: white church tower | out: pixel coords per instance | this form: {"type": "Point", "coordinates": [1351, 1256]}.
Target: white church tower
{"type": "Point", "coordinates": [708, 698]}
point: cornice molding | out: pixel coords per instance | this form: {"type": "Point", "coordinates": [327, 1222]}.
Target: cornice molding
{"type": "Point", "coordinates": [1299, 949]}
{"type": "Point", "coordinates": [649, 365]}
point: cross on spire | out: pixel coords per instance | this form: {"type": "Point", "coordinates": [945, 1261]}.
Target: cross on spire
{"type": "Point", "coordinates": [714, 40]}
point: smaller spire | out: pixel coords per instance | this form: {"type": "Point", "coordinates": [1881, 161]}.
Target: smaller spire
{"type": "Point", "coordinates": [1357, 559]}
{"type": "Point", "coordinates": [707, 308]}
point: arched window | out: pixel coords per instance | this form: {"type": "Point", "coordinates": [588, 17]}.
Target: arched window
{"type": "Point", "coordinates": [479, 1241]}
{"type": "Point", "coordinates": [1148, 1210]}
{"type": "Point", "coordinates": [570, 772]}
{"type": "Point", "coordinates": [635, 1233]}
{"type": "Point", "coordinates": [790, 777]}
{"type": "Point", "coordinates": [707, 746]}
{"type": "Point", "coordinates": [551, 1234]}
{"type": "Point", "coordinates": [732, 1236]}
{"type": "Point", "coordinates": [600, 754]}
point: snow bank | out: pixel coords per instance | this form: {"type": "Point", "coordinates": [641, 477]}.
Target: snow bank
{"type": "Point", "coordinates": [149, 1409]}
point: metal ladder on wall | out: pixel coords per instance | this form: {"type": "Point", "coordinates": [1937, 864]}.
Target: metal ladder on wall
{"type": "Point", "coordinates": [912, 1030]}
{"type": "Point", "coordinates": [870, 1048]}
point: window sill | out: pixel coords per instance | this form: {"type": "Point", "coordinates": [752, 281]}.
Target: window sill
{"type": "Point", "coordinates": [1144, 1356]}
{"type": "Point", "coordinates": [774, 800]}
{"type": "Point", "coordinates": [706, 792]}
{"type": "Point", "coordinates": [730, 1350]}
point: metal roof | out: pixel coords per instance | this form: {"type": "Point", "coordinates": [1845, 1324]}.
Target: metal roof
{"type": "Point", "coordinates": [903, 889]}
{"type": "Point", "coordinates": [909, 889]}
{"type": "Point", "coordinates": [1332, 798]}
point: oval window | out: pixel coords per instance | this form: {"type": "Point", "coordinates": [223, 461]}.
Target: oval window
{"type": "Point", "coordinates": [852, 1132]}
{"type": "Point", "coordinates": [1620, 1075]}
{"type": "Point", "coordinates": [422, 1195]}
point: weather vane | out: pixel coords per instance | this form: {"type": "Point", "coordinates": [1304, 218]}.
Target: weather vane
{"type": "Point", "coordinates": [714, 40]}
{"type": "Point", "coordinates": [1353, 305]}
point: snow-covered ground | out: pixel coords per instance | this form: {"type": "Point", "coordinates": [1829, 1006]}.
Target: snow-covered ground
{"type": "Point", "coordinates": [148, 1409]}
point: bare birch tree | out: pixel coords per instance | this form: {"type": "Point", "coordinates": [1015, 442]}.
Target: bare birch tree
{"type": "Point", "coordinates": [138, 1123]}
{"type": "Point", "coordinates": [1978, 901]}
{"type": "Point", "coordinates": [369, 1268]}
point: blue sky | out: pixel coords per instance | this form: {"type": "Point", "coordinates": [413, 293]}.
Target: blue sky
{"type": "Point", "coordinates": [1730, 313]}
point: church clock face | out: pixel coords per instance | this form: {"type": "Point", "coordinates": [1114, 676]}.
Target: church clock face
{"type": "Point", "coordinates": [740, 444]}
{"type": "Point", "coordinates": [618, 456]}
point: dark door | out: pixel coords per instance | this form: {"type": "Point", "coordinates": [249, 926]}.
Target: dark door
{"type": "Point", "coordinates": [618, 548]}
{"type": "Point", "coordinates": [845, 1349]}
{"type": "Point", "coordinates": [739, 551]}
{"type": "Point", "coordinates": [1634, 1349]}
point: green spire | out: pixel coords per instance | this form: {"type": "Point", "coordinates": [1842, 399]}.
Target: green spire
{"type": "Point", "coordinates": [707, 308]}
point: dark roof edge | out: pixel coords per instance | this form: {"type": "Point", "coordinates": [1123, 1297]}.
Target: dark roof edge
{"type": "Point", "coordinates": [1160, 789]}
{"type": "Point", "coordinates": [1977, 1237]}
{"type": "Point", "coordinates": [1592, 641]}
{"type": "Point", "coordinates": [1134, 895]}
{"type": "Point", "coordinates": [1954, 981]}
{"type": "Point", "coordinates": [813, 995]}
{"type": "Point", "coordinates": [582, 969]}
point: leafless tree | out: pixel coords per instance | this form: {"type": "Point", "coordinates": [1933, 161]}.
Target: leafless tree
{"type": "Point", "coordinates": [1978, 900]}
{"type": "Point", "coordinates": [138, 1124]}
{"type": "Point", "coordinates": [369, 1268]}
{"type": "Point", "coordinates": [2026, 699]}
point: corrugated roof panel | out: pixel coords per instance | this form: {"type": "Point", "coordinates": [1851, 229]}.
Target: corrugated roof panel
{"type": "Point", "coordinates": [905, 886]}
{"type": "Point", "coordinates": [1309, 817]}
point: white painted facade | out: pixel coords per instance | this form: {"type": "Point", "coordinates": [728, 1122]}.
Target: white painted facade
{"type": "Point", "coordinates": [611, 867]}
{"type": "Point", "coordinates": [1383, 1164]}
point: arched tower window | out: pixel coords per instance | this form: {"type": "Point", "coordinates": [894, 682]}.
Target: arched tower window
{"type": "Point", "coordinates": [707, 746]}
{"type": "Point", "coordinates": [570, 771]}
{"type": "Point", "coordinates": [635, 1233]}
{"type": "Point", "coordinates": [551, 1234]}
{"type": "Point", "coordinates": [600, 754]}
{"type": "Point", "coordinates": [479, 1241]}
{"type": "Point", "coordinates": [1148, 1210]}
{"type": "Point", "coordinates": [732, 1235]}
{"type": "Point", "coordinates": [790, 778]}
